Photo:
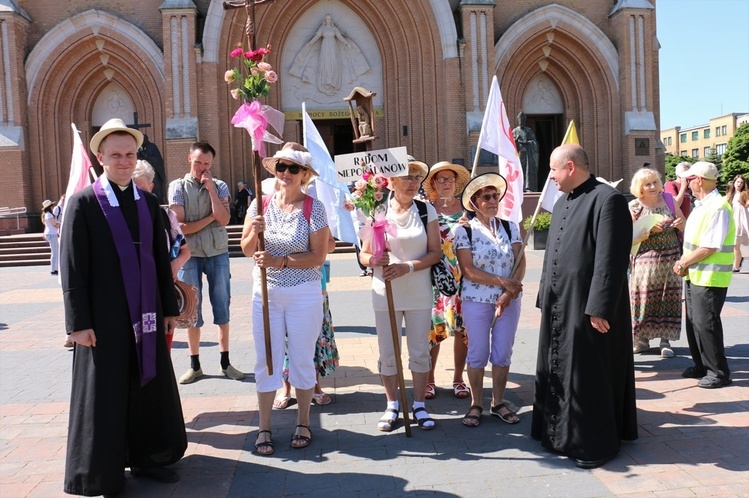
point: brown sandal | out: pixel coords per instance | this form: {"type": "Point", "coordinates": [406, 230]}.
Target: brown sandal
{"type": "Point", "coordinates": [473, 420]}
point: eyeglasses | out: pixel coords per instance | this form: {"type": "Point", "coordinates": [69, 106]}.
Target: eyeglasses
{"type": "Point", "coordinates": [412, 179]}
{"type": "Point", "coordinates": [294, 169]}
{"type": "Point", "coordinates": [690, 178]}
{"type": "Point", "coordinates": [487, 197]}
{"type": "Point", "coordinates": [445, 179]}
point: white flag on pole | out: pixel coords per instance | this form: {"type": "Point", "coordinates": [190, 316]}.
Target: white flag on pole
{"type": "Point", "coordinates": [496, 137]}
{"type": "Point", "coordinates": [329, 190]}
{"type": "Point", "coordinates": [80, 164]}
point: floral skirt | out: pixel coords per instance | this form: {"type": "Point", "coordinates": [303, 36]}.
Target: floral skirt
{"type": "Point", "coordinates": [326, 351]}
{"type": "Point", "coordinates": [447, 319]}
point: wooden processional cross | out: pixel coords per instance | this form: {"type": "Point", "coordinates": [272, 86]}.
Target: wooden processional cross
{"type": "Point", "coordinates": [249, 31]}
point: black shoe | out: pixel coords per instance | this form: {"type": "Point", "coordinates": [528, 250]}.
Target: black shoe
{"type": "Point", "coordinates": [710, 382]}
{"type": "Point", "coordinates": [55, 273]}
{"type": "Point", "coordinates": [591, 464]}
{"type": "Point", "coordinates": [159, 474]}
{"type": "Point", "coordinates": [693, 373]}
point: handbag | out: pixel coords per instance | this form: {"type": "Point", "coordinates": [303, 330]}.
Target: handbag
{"type": "Point", "coordinates": [443, 279]}
{"type": "Point", "coordinates": [187, 302]}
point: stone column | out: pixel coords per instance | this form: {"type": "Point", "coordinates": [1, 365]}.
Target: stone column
{"type": "Point", "coordinates": [634, 33]}
{"type": "Point", "coordinates": [17, 190]}
{"type": "Point", "coordinates": [180, 75]}
{"type": "Point", "coordinates": [477, 17]}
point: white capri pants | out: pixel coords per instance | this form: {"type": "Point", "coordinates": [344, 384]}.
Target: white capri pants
{"type": "Point", "coordinates": [294, 312]}
{"type": "Point", "coordinates": [417, 340]}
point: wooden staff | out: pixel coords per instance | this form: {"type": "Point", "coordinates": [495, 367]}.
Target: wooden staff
{"type": "Point", "coordinates": [395, 331]}
{"type": "Point", "coordinates": [249, 29]}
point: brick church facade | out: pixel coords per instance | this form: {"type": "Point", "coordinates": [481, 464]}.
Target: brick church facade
{"type": "Point", "coordinates": [430, 63]}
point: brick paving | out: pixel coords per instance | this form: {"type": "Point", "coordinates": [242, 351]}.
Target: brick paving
{"type": "Point", "coordinates": [692, 441]}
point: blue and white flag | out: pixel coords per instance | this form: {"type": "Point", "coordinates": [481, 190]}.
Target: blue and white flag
{"type": "Point", "coordinates": [329, 190]}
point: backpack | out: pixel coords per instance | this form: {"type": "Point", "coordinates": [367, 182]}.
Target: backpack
{"type": "Point", "coordinates": [442, 278]}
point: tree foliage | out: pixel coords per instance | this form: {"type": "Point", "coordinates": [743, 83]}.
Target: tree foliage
{"type": "Point", "coordinates": [736, 157]}
{"type": "Point", "coordinates": [672, 161]}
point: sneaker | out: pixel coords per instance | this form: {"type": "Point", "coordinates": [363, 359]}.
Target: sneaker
{"type": "Point", "coordinates": [666, 351]}
{"type": "Point", "coordinates": [364, 273]}
{"type": "Point", "coordinates": [191, 376]}
{"type": "Point", "coordinates": [710, 382]}
{"type": "Point", "coordinates": [641, 346]}
{"type": "Point", "coordinates": [232, 373]}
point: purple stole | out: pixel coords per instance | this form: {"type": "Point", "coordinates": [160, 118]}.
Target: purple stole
{"type": "Point", "coordinates": [139, 277]}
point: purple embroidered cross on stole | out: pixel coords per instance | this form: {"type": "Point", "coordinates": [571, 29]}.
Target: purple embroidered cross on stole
{"type": "Point", "coordinates": [138, 274]}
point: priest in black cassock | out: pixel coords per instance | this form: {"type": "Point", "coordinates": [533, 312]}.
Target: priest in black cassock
{"type": "Point", "coordinates": [585, 387]}
{"type": "Point", "coordinates": [119, 300]}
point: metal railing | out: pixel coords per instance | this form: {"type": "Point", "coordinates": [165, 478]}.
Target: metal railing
{"type": "Point", "coordinates": [7, 212]}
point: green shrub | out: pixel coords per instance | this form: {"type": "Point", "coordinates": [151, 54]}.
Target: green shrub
{"type": "Point", "coordinates": [543, 221]}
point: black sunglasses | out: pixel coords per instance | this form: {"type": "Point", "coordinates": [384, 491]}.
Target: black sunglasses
{"type": "Point", "coordinates": [294, 169]}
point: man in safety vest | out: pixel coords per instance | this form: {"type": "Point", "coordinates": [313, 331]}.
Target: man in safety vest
{"type": "Point", "coordinates": [707, 263]}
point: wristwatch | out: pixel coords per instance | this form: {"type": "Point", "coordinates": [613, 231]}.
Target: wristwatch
{"type": "Point", "coordinates": [681, 268]}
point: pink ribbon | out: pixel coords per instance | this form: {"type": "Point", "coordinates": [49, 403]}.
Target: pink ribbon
{"type": "Point", "coordinates": [376, 231]}
{"type": "Point", "coordinates": [255, 118]}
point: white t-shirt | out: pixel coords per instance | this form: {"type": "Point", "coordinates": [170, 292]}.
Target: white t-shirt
{"type": "Point", "coordinates": [491, 254]}
{"type": "Point", "coordinates": [49, 224]}
{"type": "Point", "coordinates": [412, 291]}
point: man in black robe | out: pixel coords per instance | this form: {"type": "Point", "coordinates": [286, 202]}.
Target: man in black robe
{"type": "Point", "coordinates": [585, 388]}
{"type": "Point", "coordinates": [119, 300]}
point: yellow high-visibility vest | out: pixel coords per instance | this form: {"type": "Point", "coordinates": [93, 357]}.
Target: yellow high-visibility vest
{"type": "Point", "coordinates": [715, 270]}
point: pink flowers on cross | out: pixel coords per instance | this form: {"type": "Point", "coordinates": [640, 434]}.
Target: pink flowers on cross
{"type": "Point", "coordinates": [369, 194]}
{"type": "Point", "coordinates": [254, 76]}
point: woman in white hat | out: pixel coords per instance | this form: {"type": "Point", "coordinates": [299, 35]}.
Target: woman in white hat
{"type": "Point", "coordinates": [487, 249]}
{"type": "Point", "coordinates": [407, 265]}
{"type": "Point", "coordinates": [296, 234]}
{"type": "Point", "coordinates": [444, 181]}
{"type": "Point", "coordinates": [51, 227]}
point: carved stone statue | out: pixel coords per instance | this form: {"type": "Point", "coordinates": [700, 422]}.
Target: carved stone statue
{"type": "Point", "coordinates": [527, 145]}
{"type": "Point", "coordinates": [365, 129]}
{"type": "Point", "coordinates": [329, 60]}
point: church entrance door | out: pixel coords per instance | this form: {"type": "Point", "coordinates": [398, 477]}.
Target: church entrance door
{"type": "Point", "coordinates": [549, 130]}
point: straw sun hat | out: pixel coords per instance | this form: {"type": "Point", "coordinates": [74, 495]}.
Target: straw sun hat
{"type": "Point", "coordinates": [293, 153]}
{"type": "Point", "coordinates": [111, 126]}
{"type": "Point", "coordinates": [462, 177]}
{"type": "Point", "coordinates": [482, 181]}
{"type": "Point", "coordinates": [47, 204]}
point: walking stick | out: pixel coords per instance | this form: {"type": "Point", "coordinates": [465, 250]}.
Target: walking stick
{"type": "Point", "coordinates": [249, 28]}
{"type": "Point", "coordinates": [395, 331]}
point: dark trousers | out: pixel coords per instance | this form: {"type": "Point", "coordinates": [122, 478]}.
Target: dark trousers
{"type": "Point", "coordinates": [705, 329]}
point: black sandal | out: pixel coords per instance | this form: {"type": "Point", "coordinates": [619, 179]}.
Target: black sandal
{"type": "Point", "coordinates": [386, 423]}
{"type": "Point", "coordinates": [422, 421]}
{"type": "Point", "coordinates": [268, 443]}
{"type": "Point", "coordinates": [509, 418]}
{"type": "Point", "coordinates": [305, 440]}
{"type": "Point", "coordinates": [477, 418]}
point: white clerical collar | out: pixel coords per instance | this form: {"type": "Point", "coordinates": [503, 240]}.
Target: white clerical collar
{"type": "Point", "coordinates": [107, 186]}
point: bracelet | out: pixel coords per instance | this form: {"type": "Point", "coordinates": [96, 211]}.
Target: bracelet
{"type": "Point", "coordinates": [410, 266]}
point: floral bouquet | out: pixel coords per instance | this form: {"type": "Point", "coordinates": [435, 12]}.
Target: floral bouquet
{"type": "Point", "coordinates": [253, 78]}
{"type": "Point", "coordinates": [369, 197]}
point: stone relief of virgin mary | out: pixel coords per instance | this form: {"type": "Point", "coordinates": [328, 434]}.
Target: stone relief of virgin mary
{"type": "Point", "coordinates": [329, 60]}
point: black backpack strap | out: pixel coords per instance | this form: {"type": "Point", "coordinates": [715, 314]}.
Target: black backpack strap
{"type": "Point", "coordinates": [423, 214]}
{"type": "Point", "coordinates": [468, 230]}
{"type": "Point", "coordinates": [506, 224]}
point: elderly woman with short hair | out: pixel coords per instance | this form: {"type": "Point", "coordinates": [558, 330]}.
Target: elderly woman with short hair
{"type": "Point", "coordinates": [296, 241]}
{"type": "Point", "coordinates": [487, 249]}
{"type": "Point", "coordinates": [407, 266]}
{"type": "Point", "coordinates": [654, 289]}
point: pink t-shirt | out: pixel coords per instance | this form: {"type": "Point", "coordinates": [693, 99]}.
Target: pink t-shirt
{"type": "Point", "coordinates": [672, 187]}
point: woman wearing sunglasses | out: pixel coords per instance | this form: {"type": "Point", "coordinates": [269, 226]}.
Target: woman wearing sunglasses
{"type": "Point", "coordinates": [407, 263]}
{"type": "Point", "coordinates": [444, 181]}
{"type": "Point", "coordinates": [487, 249]}
{"type": "Point", "coordinates": [296, 242]}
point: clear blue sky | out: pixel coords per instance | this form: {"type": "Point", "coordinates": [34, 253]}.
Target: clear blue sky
{"type": "Point", "coordinates": [704, 60]}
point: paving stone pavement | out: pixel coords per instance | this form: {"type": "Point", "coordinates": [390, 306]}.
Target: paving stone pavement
{"type": "Point", "coordinates": [692, 441]}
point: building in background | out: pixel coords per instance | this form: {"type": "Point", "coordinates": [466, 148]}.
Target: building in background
{"type": "Point", "coordinates": [699, 142]}
{"type": "Point", "coordinates": [429, 61]}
